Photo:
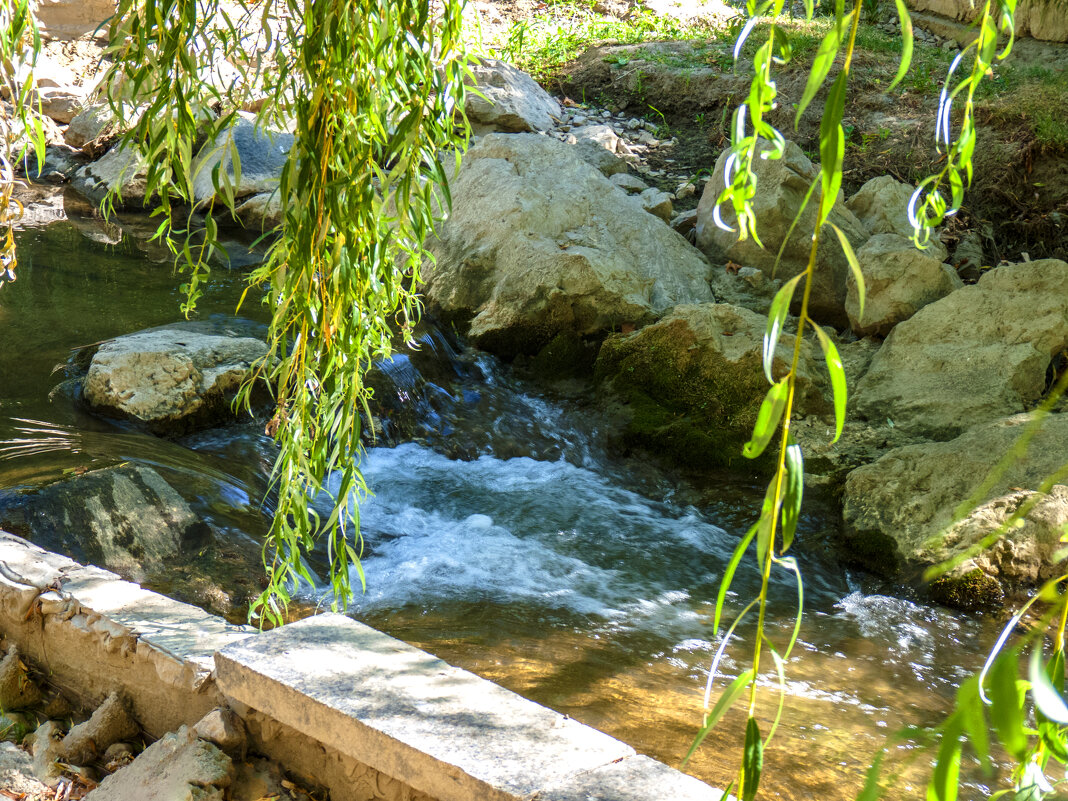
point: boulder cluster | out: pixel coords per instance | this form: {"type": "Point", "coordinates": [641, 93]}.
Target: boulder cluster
{"type": "Point", "coordinates": [557, 247]}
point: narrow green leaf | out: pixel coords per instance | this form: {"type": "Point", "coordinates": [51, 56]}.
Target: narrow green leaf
{"type": "Point", "coordinates": [854, 265]}
{"type": "Point", "coordinates": [795, 485]}
{"type": "Point", "coordinates": [1006, 704]}
{"type": "Point", "coordinates": [832, 145]}
{"type": "Point", "coordinates": [780, 306]}
{"type": "Point", "coordinates": [767, 517]}
{"type": "Point", "coordinates": [871, 790]}
{"type": "Point", "coordinates": [724, 703]}
{"type": "Point", "coordinates": [752, 759]}
{"type": "Point", "coordinates": [728, 575]}
{"type": "Point", "coordinates": [946, 776]}
{"type": "Point", "coordinates": [768, 417]}
{"type": "Point", "coordinates": [838, 379]}
{"type": "Point", "coordinates": [973, 719]}
{"type": "Point", "coordinates": [821, 65]}
{"type": "Point", "coordinates": [906, 43]}
{"type": "Point", "coordinates": [1048, 701]}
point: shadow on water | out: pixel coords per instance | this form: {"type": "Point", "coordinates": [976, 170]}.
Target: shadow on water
{"type": "Point", "coordinates": [503, 535]}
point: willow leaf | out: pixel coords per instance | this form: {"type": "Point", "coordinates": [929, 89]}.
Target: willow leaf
{"type": "Point", "coordinates": [752, 760]}
{"type": "Point", "coordinates": [821, 66]}
{"type": "Point", "coordinates": [906, 43]}
{"type": "Point", "coordinates": [795, 485]}
{"type": "Point", "coordinates": [780, 307]}
{"type": "Point", "coordinates": [724, 703]}
{"type": "Point", "coordinates": [838, 379]}
{"type": "Point", "coordinates": [854, 265]}
{"type": "Point", "coordinates": [767, 422]}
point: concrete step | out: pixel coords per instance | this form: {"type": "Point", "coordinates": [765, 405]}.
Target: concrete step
{"type": "Point", "coordinates": [437, 728]}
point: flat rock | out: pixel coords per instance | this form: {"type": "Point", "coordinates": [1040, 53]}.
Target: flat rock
{"type": "Point", "coordinates": [980, 353]}
{"type": "Point", "coordinates": [177, 767]}
{"type": "Point", "coordinates": [71, 19]}
{"type": "Point", "coordinates": [782, 186]}
{"type": "Point", "coordinates": [899, 280]}
{"type": "Point", "coordinates": [121, 169]}
{"type": "Point", "coordinates": [172, 379]}
{"type": "Point", "coordinates": [539, 243]}
{"type": "Point", "coordinates": [512, 100]}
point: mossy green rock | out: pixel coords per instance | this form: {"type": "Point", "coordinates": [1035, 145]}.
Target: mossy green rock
{"type": "Point", "coordinates": [693, 382]}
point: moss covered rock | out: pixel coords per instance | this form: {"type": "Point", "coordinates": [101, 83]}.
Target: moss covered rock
{"type": "Point", "coordinates": [693, 382]}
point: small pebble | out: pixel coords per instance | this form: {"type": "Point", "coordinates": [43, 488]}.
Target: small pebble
{"type": "Point", "coordinates": [633, 125]}
{"type": "Point", "coordinates": [606, 115]}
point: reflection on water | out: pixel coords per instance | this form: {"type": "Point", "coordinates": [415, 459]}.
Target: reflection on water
{"type": "Point", "coordinates": [504, 536]}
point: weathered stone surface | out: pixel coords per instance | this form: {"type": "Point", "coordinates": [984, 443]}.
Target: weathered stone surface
{"type": "Point", "coordinates": [693, 381]}
{"type": "Point", "coordinates": [262, 212]}
{"type": "Point", "coordinates": [262, 155]}
{"type": "Point", "coordinates": [512, 100]}
{"type": "Point", "coordinates": [16, 772]}
{"type": "Point", "coordinates": [177, 767]}
{"type": "Point", "coordinates": [894, 507]}
{"type": "Point", "coordinates": [899, 280]}
{"type": "Point", "coordinates": [437, 728]}
{"type": "Point", "coordinates": [61, 103]}
{"type": "Point", "coordinates": [109, 723]}
{"type": "Point", "coordinates": [539, 243]}
{"type": "Point", "coordinates": [47, 752]}
{"type": "Point", "coordinates": [657, 203]}
{"type": "Point", "coordinates": [17, 689]}
{"type": "Point", "coordinates": [629, 183]}
{"type": "Point", "coordinates": [69, 19]}
{"type": "Point", "coordinates": [126, 518]}
{"type": "Point", "coordinates": [90, 123]}
{"type": "Point", "coordinates": [120, 167]}
{"type": "Point", "coordinates": [1042, 19]}
{"type": "Point", "coordinates": [980, 353]}
{"type": "Point", "coordinates": [882, 206]}
{"type": "Point", "coordinates": [225, 729]}
{"type": "Point", "coordinates": [171, 379]}
{"type": "Point", "coordinates": [782, 186]}
{"type": "Point", "coordinates": [636, 778]}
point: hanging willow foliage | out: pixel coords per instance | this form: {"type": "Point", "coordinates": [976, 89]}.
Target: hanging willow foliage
{"type": "Point", "coordinates": [771, 536]}
{"type": "Point", "coordinates": [20, 129]}
{"type": "Point", "coordinates": [369, 90]}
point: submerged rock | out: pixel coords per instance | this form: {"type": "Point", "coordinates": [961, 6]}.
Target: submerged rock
{"type": "Point", "coordinates": [980, 353]}
{"type": "Point", "coordinates": [540, 243]}
{"type": "Point", "coordinates": [172, 379]}
{"type": "Point", "coordinates": [782, 186]}
{"type": "Point", "coordinates": [125, 518]}
{"type": "Point", "coordinates": [899, 511]}
{"type": "Point", "coordinates": [693, 382]}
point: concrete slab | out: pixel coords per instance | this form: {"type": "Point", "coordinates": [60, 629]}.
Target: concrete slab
{"type": "Point", "coordinates": [439, 729]}
{"type": "Point", "coordinates": [636, 778]}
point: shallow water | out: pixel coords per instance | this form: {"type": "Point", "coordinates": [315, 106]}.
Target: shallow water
{"type": "Point", "coordinates": [504, 536]}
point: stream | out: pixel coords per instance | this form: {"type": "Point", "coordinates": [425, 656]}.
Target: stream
{"type": "Point", "coordinates": [504, 536]}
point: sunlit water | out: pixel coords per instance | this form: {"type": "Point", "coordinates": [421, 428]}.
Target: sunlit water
{"type": "Point", "coordinates": [504, 537]}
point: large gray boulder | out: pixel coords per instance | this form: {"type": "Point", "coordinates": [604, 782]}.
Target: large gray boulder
{"type": "Point", "coordinates": [980, 353]}
{"type": "Point", "coordinates": [882, 206]}
{"type": "Point", "coordinates": [126, 518]}
{"type": "Point", "coordinates": [510, 99]}
{"type": "Point", "coordinates": [170, 379]}
{"type": "Point", "coordinates": [539, 243]}
{"type": "Point", "coordinates": [900, 510]}
{"type": "Point", "coordinates": [781, 187]}
{"type": "Point", "coordinates": [693, 382]}
{"type": "Point", "coordinates": [899, 280]}
{"type": "Point", "coordinates": [262, 154]}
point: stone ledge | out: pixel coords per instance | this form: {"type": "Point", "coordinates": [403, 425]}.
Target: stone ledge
{"type": "Point", "coordinates": [438, 729]}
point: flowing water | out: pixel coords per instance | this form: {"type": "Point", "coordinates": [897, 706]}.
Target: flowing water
{"type": "Point", "coordinates": [506, 537]}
